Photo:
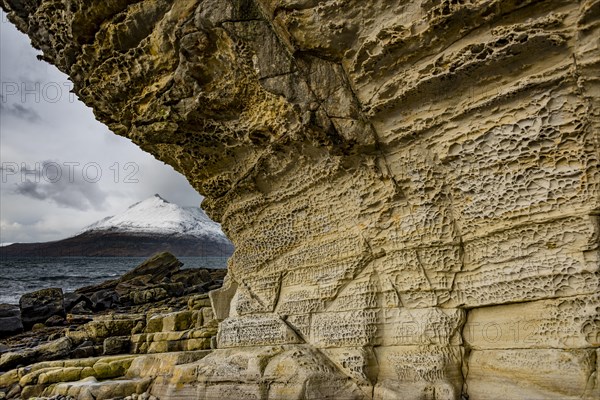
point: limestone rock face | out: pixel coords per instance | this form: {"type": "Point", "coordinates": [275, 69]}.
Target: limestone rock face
{"type": "Point", "coordinates": [412, 187]}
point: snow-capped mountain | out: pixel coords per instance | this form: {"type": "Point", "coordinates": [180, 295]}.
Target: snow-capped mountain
{"type": "Point", "coordinates": [156, 215]}
{"type": "Point", "coordinates": [147, 227]}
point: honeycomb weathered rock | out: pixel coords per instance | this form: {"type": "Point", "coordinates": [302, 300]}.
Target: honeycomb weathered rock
{"type": "Point", "coordinates": [392, 173]}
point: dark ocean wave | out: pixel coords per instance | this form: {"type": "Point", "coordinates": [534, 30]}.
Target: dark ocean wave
{"type": "Point", "coordinates": [67, 278]}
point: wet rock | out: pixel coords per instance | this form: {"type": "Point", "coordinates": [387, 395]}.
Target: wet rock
{"type": "Point", "coordinates": [49, 351]}
{"type": "Point", "coordinates": [13, 392]}
{"type": "Point", "coordinates": [103, 299]}
{"type": "Point", "coordinates": [192, 277]}
{"type": "Point", "coordinates": [40, 305]}
{"type": "Point", "coordinates": [81, 308]}
{"type": "Point", "coordinates": [154, 280]}
{"type": "Point", "coordinates": [85, 349]}
{"type": "Point", "coordinates": [117, 345]}
{"type": "Point", "coordinates": [150, 272]}
{"type": "Point", "coordinates": [73, 299]}
{"type": "Point", "coordinates": [84, 352]}
{"type": "Point", "coordinates": [10, 320]}
{"type": "Point", "coordinates": [218, 274]}
{"type": "Point", "coordinates": [201, 288]}
{"type": "Point", "coordinates": [55, 320]}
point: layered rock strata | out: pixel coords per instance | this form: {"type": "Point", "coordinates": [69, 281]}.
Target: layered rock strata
{"type": "Point", "coordinates": [411, 187]}
{"type": "Point", "coordinates": [96, 354]}
{"type": "Point", "coordinates": [121, 339]}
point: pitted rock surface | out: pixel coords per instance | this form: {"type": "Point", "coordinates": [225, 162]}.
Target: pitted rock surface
{"type": "Point", "coordinates": [412, 188]}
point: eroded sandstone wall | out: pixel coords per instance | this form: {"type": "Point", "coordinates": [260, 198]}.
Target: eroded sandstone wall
{"type": "Point", "coordinates": [412, 187]}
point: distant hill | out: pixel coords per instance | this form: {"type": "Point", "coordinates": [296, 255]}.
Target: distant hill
{"type": "Point", "coordinates": [145, 228]}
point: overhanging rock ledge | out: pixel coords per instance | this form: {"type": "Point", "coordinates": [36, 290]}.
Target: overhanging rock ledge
{"type": "Point", "coordinates": [412, 187]}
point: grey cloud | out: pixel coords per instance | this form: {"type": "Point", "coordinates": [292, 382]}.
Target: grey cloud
{"type": "Point", "coordinates": [31, 189]}
{"type": "Point", "coordinates": [77, 193]}
{"type": "Point", "coordinates": [21, 112]}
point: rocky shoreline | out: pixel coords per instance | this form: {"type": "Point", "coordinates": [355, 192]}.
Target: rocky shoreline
{"type": "Point", "coordinates": [101, 341]}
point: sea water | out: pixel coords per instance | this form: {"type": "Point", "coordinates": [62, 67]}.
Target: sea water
{"type": "Point", "coordinates": [20, 275]}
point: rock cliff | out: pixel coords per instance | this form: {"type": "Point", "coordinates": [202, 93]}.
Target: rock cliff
{"type": "Point", "coordinates": [412, 188]}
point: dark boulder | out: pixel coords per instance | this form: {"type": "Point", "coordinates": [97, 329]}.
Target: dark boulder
{"type": "Point", "coordinates": [10, 320]}
{"type": "Point", "coordinates": [40, 305]}
{"type": "Point", "coordinates": [151, 272]}
{"type": "Point", "coordinates": [116, 345]}
{"type": "Point", "coordinates": [71, 299]}
{"type": "Point", "coordinates": [81, 308]}
{"type": "Point", "coordinates": [150, 281]}
{"type": "Point", "coordinates": [84, 350]}
{"type": "Point", "coordinates": [103, 299]}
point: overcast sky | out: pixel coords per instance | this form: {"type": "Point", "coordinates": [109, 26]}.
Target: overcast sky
{"type": "Point", "coordinates": [62, 169]}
